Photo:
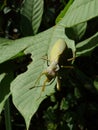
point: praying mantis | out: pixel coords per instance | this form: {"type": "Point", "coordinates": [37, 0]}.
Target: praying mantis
{"type": "Point", "coordinates": [51, 72]}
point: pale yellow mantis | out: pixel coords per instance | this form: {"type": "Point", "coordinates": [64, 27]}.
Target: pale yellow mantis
{"type": "Point", "coordinates": [52, 70]}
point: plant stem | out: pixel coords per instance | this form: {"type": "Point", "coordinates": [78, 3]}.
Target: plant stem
{"type": "Point", "coordinates": [7, 115]}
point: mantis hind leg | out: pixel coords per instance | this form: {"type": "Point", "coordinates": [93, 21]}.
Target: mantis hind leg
{"type": "Point", "coordinates": [58, 86]}
{"type": "Point", "coordinates": [69, 67]}
{"type": "Point", "coordinates": [71, 59]}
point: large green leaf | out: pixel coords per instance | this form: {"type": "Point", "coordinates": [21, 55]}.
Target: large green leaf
{"type": "Point", "coordinates": [33, 10]}
{"type": "Point", "coordinates": [80, 11]}
{"type": "Point", "coordinates": [28, 100]}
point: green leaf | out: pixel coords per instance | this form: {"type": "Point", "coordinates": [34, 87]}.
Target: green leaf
{"type": "Point", "coordinates": [77, 93]}
{"type": "Point", "coordinates": [76, 32]}
{"type": "Point", "coordinates": [5, 80]}
{"type": "Point", "coordinates": [64, 104]}
{"type": "Point", "coordinates": [80, 11]}
{"type": "Point", "coordinates": [85, 47]}
{"type": "Point", "coordinates": [6, 76]}
{"type": "Point", "coordinates": [26, 26]}
{"type": "Point", "coordinates": [1, 103]}
{"type": "Point", "coordinates": [10, 48]}
{"type": "Point", "coordinates": [33, 10]}
{"type": "Point", "coordinates": [3, 40]}
{"type": "Point", "coordinates": [3, 4]}
{"type": "Point", "coordinates": [28, 100]}
{"type": "Point", "coordinates": [63, 12]}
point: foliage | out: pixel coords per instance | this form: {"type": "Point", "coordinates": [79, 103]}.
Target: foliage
{"type": "Point", "coordinates": [22, 61]}
{"type": "Point", "coordinates": [33, 10]}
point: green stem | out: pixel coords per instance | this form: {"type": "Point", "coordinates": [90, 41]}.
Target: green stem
{"type": "Point", "coordinates": [7, 115]}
